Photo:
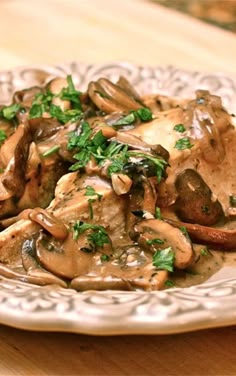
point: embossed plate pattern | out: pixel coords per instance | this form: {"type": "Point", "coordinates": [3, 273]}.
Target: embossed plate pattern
{"type": "Point", "coordinates": [177, 310]}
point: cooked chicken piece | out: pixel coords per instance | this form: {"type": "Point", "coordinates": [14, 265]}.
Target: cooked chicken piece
{"type": "Point", "coordinates": [72, 203]}
{"type": "Point", "coordinates": [206, 142]}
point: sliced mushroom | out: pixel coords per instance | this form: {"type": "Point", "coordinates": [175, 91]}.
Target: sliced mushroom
{"type": "Point", "coordinates": [35, 273]}
{"type": "Point", "coordinates": [119, 95]}
{"type": "Point", "coordinates": [53, 225]}
{"type": "Point", "coordinates": [103, 102]}
{"type": "Point", "coordinates": [109, 97]}
{"type": "Point", "coordinates": [214, 237]}
{"type": "Point", "coordinates": [125, 85]}
{"type": "Point", "coordinates": [195, 203]}
{"type": "Point", "coordinates": [55, 87]}
{"type": "Point", "coordinates": [155, 280]}
{"type": "Point", "coordinates": [84, 283]}
{"type": "Point", "coordinates": [147, 230]}
{"type": "Point", "coordinates": [13, 177]}
{"type": "Point", "coordinates": [67, 259]}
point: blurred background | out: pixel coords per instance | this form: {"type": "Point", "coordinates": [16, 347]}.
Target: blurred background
{"type": "Point", "coordinates": [191, 34]}
{"type": "Point", "coordinates": [221, 13]}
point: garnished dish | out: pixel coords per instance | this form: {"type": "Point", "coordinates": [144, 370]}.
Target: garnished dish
{"type": "Point", "coordinates": [109, 189]}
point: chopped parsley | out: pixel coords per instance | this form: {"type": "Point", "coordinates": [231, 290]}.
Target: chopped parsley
{"type": "Point", "coordinates": [90, 191]}
{"type": "Point", "coordinates": [9, 112]}
{"type": "Point", "coordinates": [90, 202]}
{"type": "Point", "coordinates": [71, 94]}
{"type": "Point", "coordinates": [232, 201]}
{"type": "Point", "coordinates": [3, 136]}
{"type": "Point", "coordinates": [154, 241]}
{"type": "Point", "coordinates": [158, 213]}
{"type": "Point", "coordinates": [169, 283]}
{"type": "Point", "coordinates": [183, 143]}
{"type": "Point", "coordinates": [204, 252]}
{"type": "Point", "coordinates": [179, 128]}
{"type": "Point", "coordinates": [99, 148]}
{"type": "Point", "coordinates": [164, 259]}
{"type": "Point", "coordinates": [126, 120]}
{"type": "Point", "coordinates": [65, 116]}
{"type": "Point", "coordinates": [51, 151]}
{"type": "Point", "coordinates": [104, 257]}
{"type": "Point", "coordinates": [43, 103]}
{"type": "Point", "coordinates": [96, 237]}
{"type": "Point", "coordinates": [143, 114]}
{"type": "Point", "coordinates": [157, 161]}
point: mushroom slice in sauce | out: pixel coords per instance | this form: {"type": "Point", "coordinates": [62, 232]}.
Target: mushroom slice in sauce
{"type": "Point", "coordinates": [148, 230]}
{"type": "Point", "coordinates": [64, 259]}
{"type": "Point", "coordinates": [214, 237]}
{"type": "Point", "coordinates": [195, 202]}
{"type": "Point", "coordinates": [35, 273]}
{"type": "Point", "coordinates": [109, 97]}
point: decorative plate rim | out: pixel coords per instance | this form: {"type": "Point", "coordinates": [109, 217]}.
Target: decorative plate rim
{"type": "Point", "coordinates": [171, 311]}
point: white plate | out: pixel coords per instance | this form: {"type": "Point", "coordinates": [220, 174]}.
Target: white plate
{"type": "Point", "coordinates": [177, 310]}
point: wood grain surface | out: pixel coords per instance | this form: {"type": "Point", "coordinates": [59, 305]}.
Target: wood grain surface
{"type": "Point", "coordinates": [53, 31]}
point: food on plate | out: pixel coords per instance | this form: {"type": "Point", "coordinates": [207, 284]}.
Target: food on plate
{"type": "Point", "coordinates": [107, 189]}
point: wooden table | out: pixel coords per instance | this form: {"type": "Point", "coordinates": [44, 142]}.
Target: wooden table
{"type": "Point", "coordinates": [52, 31]}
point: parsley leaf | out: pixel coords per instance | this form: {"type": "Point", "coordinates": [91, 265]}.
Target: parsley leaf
{"type": "Point", "coordinates": [9, 112]}
{"type": "Point", "coordinates": [51, 151]}
{"type": "Point", "coordinates": [97, 236]}
{"type": "Point", "coordinates": [158, 213]}
{"type": "Point", "coordinates": [64, 116]}
{"type": "Point", "coordinates": [3, 136]}
{"type": "Point", "coordinates": [144, 114]}
{"type": "Point", "coordinates": [71, 94]}
{"type": "Point", "coordinates": [183, 143]}
{"type": "Point", "coordinates": [179, 128]}
{"type": "Point", "coordinates": [104, 257]}
{"type": "Point", "coordinates": [126, 120]}
{"type": "Point", "coordinates": [204, 252]}
{"type": "Point", "coordinates": [90, 191]}
{"type": "Point", "coordinates": [164, 259]}
{"type": "Point", "coordinates": [169, 283]}
{"type": "Point", "coordinates": [154, 241]}
{"type": "Point", "coordinates": [158, 162]}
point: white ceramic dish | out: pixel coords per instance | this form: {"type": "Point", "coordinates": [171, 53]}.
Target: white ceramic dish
{"type": "Point", "coordinates": [211, 304]}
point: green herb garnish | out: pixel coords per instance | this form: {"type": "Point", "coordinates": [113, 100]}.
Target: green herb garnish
{"type": "Point", "coordinates": [97, 236]}
{"type": "Point", "coordinates": [183, 143]}
{"type": "Point", "coordinates": [169, 283]}
{"type": "Point", "coordinates": [154, 241]}
{"type": "Point", "coordinates": [90, 202]}
{"type": "Point", "coordinates": [51, 151]}
{"type": "Point", "coordinates": [159, 163]}
{"type": "Point", "coordinates": [179, 128]}
{"type": "Point", "coordinates": [9, 112]}
{"type": "Point", "coordinates": [204, 251]}
{"type": "Point", "coordinates": [104, 257]}
{"type": "Point", "coordinates": [143, 114]}
{"type": "Point", "coordinates": [71, 94]}
{"type": "Point", "coordinates": [90, 191]}
{"type": "Point", "coordinates": [3, 136]}
{"type": "Point", "coordinates": [158, 213]}
{"type": "Point", "coordinates": [164, 259]}
{"type": "Point", "coordinates": [126, 120]}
